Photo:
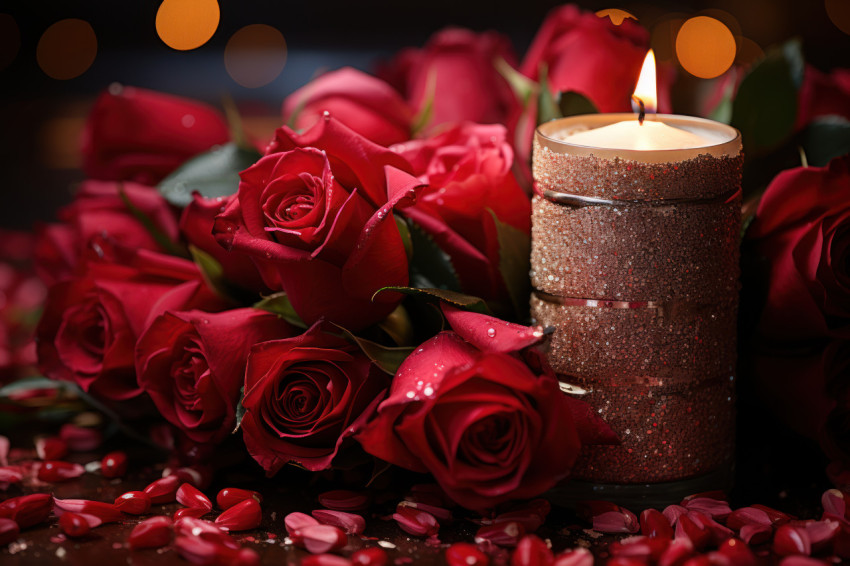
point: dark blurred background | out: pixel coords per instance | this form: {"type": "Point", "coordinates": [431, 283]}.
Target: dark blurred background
{"type": "Point", "coordinates": [41, 117]}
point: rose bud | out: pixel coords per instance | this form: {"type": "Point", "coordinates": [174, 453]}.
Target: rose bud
{"type": "Point", "coordinates": [576, 557]}
{"type": "Point", "coordinates": [9, 531]}
{"type": "Point", "coordinates": [776, 517]}
{"type": "Point", "coordinates": [190, 496]}
{"type": "Point", "coordinates": [714, 508]}
{"type": "Point", "coordinates": [133, 502]}
{"type": "Point", "coordinates": [163, 490]}
{"type": "Point", "coordinates": [230, 496]}
{"type": "Point", "coordinates": [27, 510]}
{"type": "Point", "coordinates": [834, 503]}
{"type": "Point", "coordinates": [151, 533]}
{"type": "Point", "coordinates": [192, 527]}
{"type": "Point", "coordinates": [677, 553]}
{"type": "Point", "coordinates": [747, 516]}
{"type": "Point", "coordinates": [791, 540]}
{"type": "Point", "coordinates": [50, 448]}
{"type": "Point", "coordinates": [202, 551]}
{"type": "Point", "coordinates": [106, 512]}
{"type": "Point", "coordinates": [501, 534]}
{"type": "Point", "coordinates": [325, 560]}
{"type": "Point", "coordinates": [364, 103]}
{"type": "Point", "coordinates": [75, 525]}
{"type": "Point", "coordinates": [57, 471]}
{"type": "Point", "coordinates": [193, 512]}
{"type": "Point", "coordinates": [296, 521]}
{"type": "Point", "coordinates": [11, 474]}
{"type": "Point", "coordinates": [531, 520]}
{"type": "Point", "coordinates": [114, 465]}
{"type": "Point", "coordinates": [655, 525]}
{"type": "Point", "coordinates": [79, 438]}
{"type": "Point", "coordinates": [416, 522]}
{"type": "Point", "coordinates": [756, 534]}
{"type": "Point", "coordinates": [167, 131]}
{"type": "Point", "coordinates": [373, 556]}
{"type": "Point", "coordinates": [197, 476]}
{"type": "Point", "coordinates": [738, 553]}
{"type": "Point", "coordinates": [531, 551]}
{"type": "Point", "coordinates": [319, 539]}
{"type": "Point", "coordinates": [344, 500]}
{"type": "Point", "coordinates": [466, 554]}
{"type": "Point", "coordinates": [673, 512]}
{"type": "Point", "coordinates": [445, 516]}
{"type": "Point", "coordinates": [349, 522]}
{"type": "Point", "coordinates": [639, 547]}
{"type": "Point", "coordinates": [243, 516]}
{"type": "Point", "coordinates": [822, 534]}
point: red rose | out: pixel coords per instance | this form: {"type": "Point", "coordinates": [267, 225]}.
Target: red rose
{"type": "Point", "coordinates": [133, 134]}
{"type": "Point", "coordinates": [823, 95]}
{"type": "Point", "coordinates": [316, 216]}
{"type": "Point", "coordinates": [89, 327]}
{"type": "Point", "coordinates": [192, 364]}
{"type": "Point", "coordinates": [196, 224]}
{"type": "Point", "coordinates": [592, 56]}
{"type": "Point", "coordinates": [304, 397]}
{"type": "Point", "coordinates": [476, 417]}
{"type": "Point", "coordinates": [468, 172]}
{"type": "Point", "coordinates": [802, 228]}
{"type": "Point", "coordinates": [98, 210]}
{"type": "Point", "coordinates": [456, 68]}
{"type": "Point", "coordinates": [367, 105]}
{"type": "Point", "coordinates": [21, 296]}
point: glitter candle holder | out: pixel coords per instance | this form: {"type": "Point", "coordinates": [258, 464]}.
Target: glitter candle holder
{"type": "Point", "coordinates": [634, 261]}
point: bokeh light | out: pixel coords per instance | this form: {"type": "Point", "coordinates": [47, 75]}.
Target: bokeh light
{"type": "Point", "coordinates": [66, 49]}
{"type": "Point", "coordinates": [616, 15]}
{"type": "Point", "coordinates": [663, 38]}
{"type": "Point", "coordinates": [255, 55]}
{"type": "Point", "coordinates": [839, 13]}
{"type": "Point", "coordinates": [705, 47]}
{"type": "Point", "coordinates": [10, 40]}
{"type": "Point", "coordinates": [748, 52]}
{"type": "Point", "coordinates": [187, 24]}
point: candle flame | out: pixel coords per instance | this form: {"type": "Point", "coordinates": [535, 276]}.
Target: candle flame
{"type": "Point", "coordinates": [645, 89]}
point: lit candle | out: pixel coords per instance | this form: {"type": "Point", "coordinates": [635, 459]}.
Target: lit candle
{"type": "Point", "coordinates": [639, 134]}
{"type": "Point", "coordinates": [634, 262]}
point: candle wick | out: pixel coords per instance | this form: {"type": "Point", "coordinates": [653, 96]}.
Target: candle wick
{"type": "Point", "coordinates": [642, 113]}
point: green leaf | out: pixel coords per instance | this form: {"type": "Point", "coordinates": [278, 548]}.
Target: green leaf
{"type": "Point", "coordinates": [825, 139]}
{"type": "Point", "coordinates": [162, 240]}
{"type": "Point", "coordinates": [723, 111]}
{"type": "Point", "coordinates": [404, 232]}
{"type": "Point", "coordinates": [514, 264]}
{"type": "Point", "coordinates": [793, 52]}
{"type": "Point", "coordinates": [430, 266]}
{"type": "Point", "coordinates": [398, 326]}
{"type": "Point", "coordinates": [572, 103]}
{"type": "Point", "coordinates": [460, 300]}
{"type": "Point", "coordinates": [211, 271]}
{"type": "Point", "coordinates": [523, 87]}
{"type": "Point", "coordinates": [547, 105]}
{"type": "Point", "coordinates": [278, 303]}
{"type": "Point", "coordinates": [426, 113]}
{"type": "Point", "coordinates": [212, 174]}
{"type": "Point", "coordinates": [385, 357]}
{"type": "Point", "coordinates": [240, 410]}
{"type": "Point", "coordinates": [765, 108]}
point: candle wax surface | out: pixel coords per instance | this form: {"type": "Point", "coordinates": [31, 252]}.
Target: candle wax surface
{"type": "Point", "coordinates": [633, 135]}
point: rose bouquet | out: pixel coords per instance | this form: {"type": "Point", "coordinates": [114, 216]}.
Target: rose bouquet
{"type": "Point", "coordinates": [356, 287]}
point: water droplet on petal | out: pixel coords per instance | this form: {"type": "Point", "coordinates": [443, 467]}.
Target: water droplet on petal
{"type": "Point", "coordinates": [491, 332]}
